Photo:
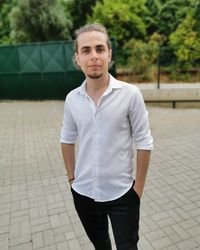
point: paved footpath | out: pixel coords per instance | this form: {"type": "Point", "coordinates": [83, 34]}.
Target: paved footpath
{"type": "Point", "coordinates": [36, 209]}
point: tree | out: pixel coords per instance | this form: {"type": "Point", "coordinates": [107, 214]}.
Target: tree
{"type": "Point", "coordinates": [171, 14]}
{"type": "Point", "coordinates": [5, 8]}
{"type": "Point", "coordinates": [152, 18]}
{"type": "Point", "coordinates": [186, 41]}
{"type": "Point", "coordinates": [195, 11]}
{"type": "Point", "coordinates": [79, 11]}
{"type": "Point", "coordinates": [123, 19]}
{"type": "Point", "coordinates": [39, 20]}
{"type": "Point", "coordinates": [146, 53]}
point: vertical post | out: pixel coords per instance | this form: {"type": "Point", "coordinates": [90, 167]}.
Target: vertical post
{"type": "Point", "coordinates": [158, 68]}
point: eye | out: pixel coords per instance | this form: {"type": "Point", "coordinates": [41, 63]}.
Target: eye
{"type": "Point", "coordinates": [100, 49]}
{"type": "Point", "coordinates": [85, 51]}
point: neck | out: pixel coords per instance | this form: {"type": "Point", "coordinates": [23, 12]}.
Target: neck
{"type": "Point", "coordinates": [98, 84]}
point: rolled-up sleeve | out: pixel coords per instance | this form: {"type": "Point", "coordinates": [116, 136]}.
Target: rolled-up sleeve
{"type": "Point", "coordinates": [69, 132]}
{"type": "Point", "coordinates": [138, 116]}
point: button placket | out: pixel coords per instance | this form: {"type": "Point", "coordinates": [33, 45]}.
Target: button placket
{"type": "Point", "coordinates": [95, 142]}
{"type": "Point", "coordinates": [95, 151]}
{"type": "Point", "coordinates": [95, 154]}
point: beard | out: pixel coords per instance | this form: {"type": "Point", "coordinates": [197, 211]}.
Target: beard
{"type": "Point", "coordinates": [95, 75]}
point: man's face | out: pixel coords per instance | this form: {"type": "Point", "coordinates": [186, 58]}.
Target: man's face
{"type": "Point", "coordinates": [93, 54]}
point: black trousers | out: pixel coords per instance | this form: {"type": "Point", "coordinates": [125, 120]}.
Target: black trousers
{"type": "Point", "coordinates": [124, 216]}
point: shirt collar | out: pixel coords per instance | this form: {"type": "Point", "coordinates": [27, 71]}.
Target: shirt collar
{"type": "Point", "coordinates": [113, 84]}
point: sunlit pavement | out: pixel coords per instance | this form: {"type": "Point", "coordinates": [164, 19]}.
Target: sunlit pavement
{"type": "Point", "coordinates": [36, 208]}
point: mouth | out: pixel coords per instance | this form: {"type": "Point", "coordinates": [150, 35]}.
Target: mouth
{"type": "Point", "coordinates": [94, 66]}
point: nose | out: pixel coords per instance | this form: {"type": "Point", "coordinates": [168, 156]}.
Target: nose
{"type": "Point", "coordinates": [94, 54]}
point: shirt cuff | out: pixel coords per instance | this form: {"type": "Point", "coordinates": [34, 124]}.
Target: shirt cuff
{"type": "Point", "coordinates": [68, 137]}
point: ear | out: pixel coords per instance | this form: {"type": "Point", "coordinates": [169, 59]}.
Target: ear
{"type": "Point", "coordinates": [77, 59]}
{"type": "Point", "coordinates": [110, 55]}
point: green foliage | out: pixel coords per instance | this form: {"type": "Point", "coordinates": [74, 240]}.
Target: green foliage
{"type": "Point", "coordinates": [186, 41]}
{"type": "Point", "coordinates": [152, 18]}
{"type": "Point", "coordinates": [5, 9]}
{"type": "Point", "coordinates": [195, 11]}
{"type": "Point", "coordinates": [176, 75]}
{"type": "Point", "coordinates": [138, 27]}
{"type": "Point", "coordinates": [123, 19]}
{"type": "Point", "coordinates": [171, 14]}
{"type": "Point", "coordinates": [79, 10]}
{"type": "Point", "coordinates": [39, 20]}
{"type": "Point", "coordinates": [143, 55]}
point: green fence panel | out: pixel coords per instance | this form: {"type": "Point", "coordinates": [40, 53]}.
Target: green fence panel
{"type": "Point", "coordinates": [74, 80]}
{"type": "Point", "coordinates": [68, 55]}
{"type": "Point", "coordinates": [53, 58]}
{"type": "Point", "coordinates": [38, 71]}
{"type": "Point", "coordinates": [31, 86]}
{"type": "Point", "coordinates": [9, 62]}
{"type": "Point", "coordinates": [54, 85]}
{"type": "Point", "coordinates": [29, 58]}
{"type": "Point", "coordinates": [1, 88]}
{"type": "Point", "coordinates": [74, 76]}
{"type": "Point", "coordinates": [11, 87]}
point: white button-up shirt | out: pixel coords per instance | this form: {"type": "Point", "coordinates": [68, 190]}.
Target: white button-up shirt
{"type": "Point", "coordinates": [107, 133]}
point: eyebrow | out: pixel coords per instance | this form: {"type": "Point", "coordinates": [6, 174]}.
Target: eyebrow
{"type": "Point", "coordinates": [85, 47]}
{"type": "Point", "coordinates": [97, 46]}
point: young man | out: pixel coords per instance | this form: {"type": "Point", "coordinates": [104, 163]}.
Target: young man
{"type": "Point", "coordinates": [108, 116]}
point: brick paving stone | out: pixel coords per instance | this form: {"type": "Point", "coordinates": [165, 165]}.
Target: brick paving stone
{"type": "Point", "coordinates": [48, 237]}
{"type": "Point", "coordinates": [60, 238]}
{"type": "Point", "coordinates": [175, 238]}
{"type": "Point", "coordinates": [42, 211]}
{"type": "Point", "coordinates": [162, 243]}
{"type": "Point", "coordinates": [36, 208]}
{"type": "Point", "coordinates": [70, 235]}
{"type": "Point", "coordinates": [4, 229]}
{"type": "Point", "coordinates": [74, 244]}
{"type": "Point", "coordinates": [5, 208]}
{"type": "Point", "coordinates": [78, 229]}
{"type": "Point", "coordinates": [194, 231]}
{"type": "Point", "coordinates": [25, 228]}
{"type": "Point", "coordinates": [39, 221]}
{"type": "Point", "coordinates": [83, 240]}
{"type": "Point", "coordinates": [38, 241]}
{"type": "Point", "coordinates": [4, 241]}
{"type": "Point", "coordinates": [64, 219]}
{"type": "Point", "coordinates": [145, 244]}
{"type": "Point", "coordinates": [19, 219]}
{"type": "Point", "coordinates": [26, 246]}
{"type": "Point", "coordinates": [41, 227]}
{"type": "Point", "coordinates": [197, 238]}
{"type": "Point", "coordinates": [33, 213]}
{"type": "Point", "coordinates": [14, 230]}
{"type": "Point", "coordinates": [144, 229]}
{"type": "Point", "coordinates": [4, 220]}
{"type": "Point", "coordinates": [53, 247]}
{"type": "Point", "coordinates": [87, 247]}
{"type": "Point", "coordinates": [155, 235]}
{"type": "Point", "coordinates": [55, 220]}
{"type": "Point", "coordinates": [62, 229]}
{"type": "Point", "coordinates": [63, 246]}
{"type": "Point", "coordinates": [24, 238]}
{"type": "Point", "coordinates": [188, 244]}
{"type": "Point", "coordinates": [171, 248]}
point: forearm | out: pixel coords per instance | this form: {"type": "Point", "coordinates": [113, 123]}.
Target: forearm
{"type": "Point", "coordinates": [143, 159]}
{"type": "Point", "coordinates": [68, 152]}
